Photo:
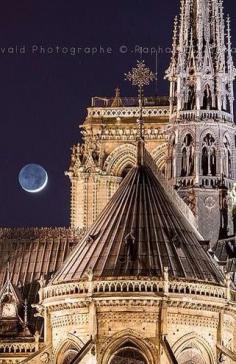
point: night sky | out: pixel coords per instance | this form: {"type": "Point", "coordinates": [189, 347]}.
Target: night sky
{"type": "Point", "coordinates": [44, 96]}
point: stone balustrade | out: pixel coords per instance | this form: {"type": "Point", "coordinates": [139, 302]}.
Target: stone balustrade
{"type": "Point", "coordinates": [199, 115]}
{"type": "Point", "coordinates": [18, 348]}
{"type": "Point", "coordinates": [204, 181]}
{"type": "Point", "coordinates": [127, 112]}
{"type": "Point", "coordinates": [148, 285]}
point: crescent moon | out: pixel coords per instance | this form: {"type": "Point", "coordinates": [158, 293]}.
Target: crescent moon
{"type": "Point", "coordinates": [40, 188]}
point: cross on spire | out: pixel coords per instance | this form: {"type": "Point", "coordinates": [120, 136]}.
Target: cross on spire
{"type": "Point", "coordinates": [140, 76]}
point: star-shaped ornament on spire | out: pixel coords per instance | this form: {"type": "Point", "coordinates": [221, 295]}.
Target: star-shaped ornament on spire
{"type": "Point", "coordinates": [140, 76]}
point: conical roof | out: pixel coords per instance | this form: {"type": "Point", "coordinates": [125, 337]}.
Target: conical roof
{"type": "Point", "coordinates": [139, 233]}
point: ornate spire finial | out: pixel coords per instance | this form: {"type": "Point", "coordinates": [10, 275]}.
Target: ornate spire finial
{"type": "Point", "coordinates": [199, 42]}
{"type": "Point", "coordinates": [140, 76]}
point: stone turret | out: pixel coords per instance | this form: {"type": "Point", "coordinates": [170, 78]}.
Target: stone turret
{"type": "Point", "coordinates": [201, 152]}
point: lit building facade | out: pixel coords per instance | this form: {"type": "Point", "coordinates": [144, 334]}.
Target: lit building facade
{"type": "Point", "coordinates": [145, 273]}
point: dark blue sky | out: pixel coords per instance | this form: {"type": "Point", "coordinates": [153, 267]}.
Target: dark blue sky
{"type": "Point", "coordinates": [44, 97]}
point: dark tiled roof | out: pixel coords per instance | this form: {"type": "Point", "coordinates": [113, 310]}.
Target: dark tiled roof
{"type": "Point", "coordinates": [139, 233]}
{"type": "Point", "coordinates": [32, 253]}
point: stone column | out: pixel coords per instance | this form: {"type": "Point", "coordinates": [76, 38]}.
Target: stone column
{"type": "Point", "coordinates": [47, 327]}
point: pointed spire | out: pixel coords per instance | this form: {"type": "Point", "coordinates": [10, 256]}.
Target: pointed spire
{"type": "Point", "coordinates": [202, 43]}
{"type": "Point", "coordinates": [117, 102]}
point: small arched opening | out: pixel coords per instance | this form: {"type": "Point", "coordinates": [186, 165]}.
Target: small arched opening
{"type": "Point", "coordinates": [67, 352]}
{"type": "Point", "coordinates": [128, 353]}
{"type": "Point", "coordinates": [227, 158]}
{"type": "Point", "coordinates": [69, 356]}
{"type": "Point", "coordinates": [193, 349]}
{"type": "Point", "coordinates": [125, 347]}
{"type": "Point", "coordinates": [191, 355]}
{"type": "Point", "coordinates": [187, 161]}
{"type": "Point", "coordinates": [207, 98]}
{"type": "Point", "coordinates": [208, 156]}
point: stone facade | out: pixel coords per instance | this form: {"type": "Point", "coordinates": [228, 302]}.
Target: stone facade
{"type": "Point", "coordinates": [201, 149]}
{"type": "Point", "coordinates": [169, 316]}
{"type": "Point", "coordinates": [109, 151]}
{"type": "Point", "coordinates": [195, 322]}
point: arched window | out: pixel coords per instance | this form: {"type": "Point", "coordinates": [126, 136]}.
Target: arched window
{"type": "Point", "coordinates": [208, 156]}
{"type": "Point", "coordinates": [128, 354]}
{"type": "Point", "coordinates": [68, 353]}
{"type": "Point", "coordinates": [227, 160]}
{"type": "Point", "coordinates": [187, 150]}
{"type": "Point", "coordinates": [191, 356]}
{"type": "Point", "coordinates": [69, 356]}
{"type": "Point", "coordinates": [207, 98]}
{"type": "Point", "coordinates": [184, 162]}
{"type": "Point", "coordinates": [191, 98]}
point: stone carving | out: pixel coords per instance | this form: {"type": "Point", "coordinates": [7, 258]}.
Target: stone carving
{"type": "Point", "coordinates": [45, 358]}
{"type": "Point", "coordinates": [210, 202]}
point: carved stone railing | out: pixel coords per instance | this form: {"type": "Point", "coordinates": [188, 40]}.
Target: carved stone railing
{"type": "Point", "coordinates": [18, 348]}
{"type": "Point", "coordinates": [185, 181]}
{"type": "Point", "coordinates": [200, 115]}
{"type": "Point", "coordinates": [127, 112]}
{"type": "Point", "coordinates": [122, 133]}
{"type": "Point", "coordinates": [208, 181]}
{"type": "Point", "coordinates": [148, 285]}
{"type": "Point", "coordinates": [204, 181]}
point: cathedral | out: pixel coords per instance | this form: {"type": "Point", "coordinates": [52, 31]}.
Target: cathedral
{"type": "Point", "coordinates": [146, 272]}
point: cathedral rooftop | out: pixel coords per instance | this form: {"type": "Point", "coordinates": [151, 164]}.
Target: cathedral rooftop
{"type": "Point", "coordinates": [30, 254]}
{"type": "Point", "coordinates": [140, 233]}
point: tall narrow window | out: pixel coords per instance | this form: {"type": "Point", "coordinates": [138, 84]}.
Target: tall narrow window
{"type": "Point", "coordinates": [208, 156]}
{"type": "Point", "coordinates": [207, 98]}
{"type": "Point", "coordinates": [187, 163]}
{"type": "Point", "coordinates": [227, 160]}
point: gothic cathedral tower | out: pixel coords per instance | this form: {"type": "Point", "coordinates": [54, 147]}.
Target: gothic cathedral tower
{"type": "Point", "coordinates": [201, 153]}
